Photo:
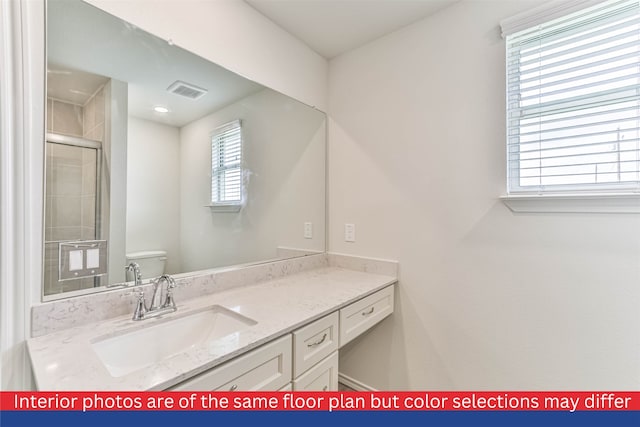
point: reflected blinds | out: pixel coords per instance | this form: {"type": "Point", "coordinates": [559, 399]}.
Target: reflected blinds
{"type": "Point", "coordinates": [226, 164]}
{"type": "Point", "coordinates": [573, 101]}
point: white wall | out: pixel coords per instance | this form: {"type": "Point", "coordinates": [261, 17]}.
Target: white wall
{"type": "Point", "coordinates": [153, 189]}
{"type": "Point", "coordinates": [22, 80]}
{"type": "Point", "coordinates": [235, 36]}
{"type": "Point", "coordinates": [487, 299]}
{"type": "Point", "coordinates": [284, 142]}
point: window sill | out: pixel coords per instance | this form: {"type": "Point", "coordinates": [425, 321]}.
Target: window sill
{"type": "Point", "coordinates": [573, 203]}
{"type": "Point", "coordinates": [224, 208]}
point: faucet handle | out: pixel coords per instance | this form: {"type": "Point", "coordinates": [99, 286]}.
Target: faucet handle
{"type": "Point", "coordinates": [169, 300]}
{"type": "Point", "coordinates": [141, 308]}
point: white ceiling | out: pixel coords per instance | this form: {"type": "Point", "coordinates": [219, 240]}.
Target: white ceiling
{"type": "Point", "coordinates": [332, 27]}
{"type": "Point", "coordinates": [82, 39]}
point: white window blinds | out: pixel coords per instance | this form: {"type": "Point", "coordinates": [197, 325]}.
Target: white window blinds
{"type": "Point", "coordinates": [226, 164]}
{"type": "Point", "coordinates": [573, 102]}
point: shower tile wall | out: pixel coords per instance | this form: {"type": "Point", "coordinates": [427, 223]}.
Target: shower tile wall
{"type": "Point", "coordinates": [64, 118]}
{"type": "Point", "coordinates": [93, 117]}
{"type": "Point", "coordinates": [70, 184]}
{"type": "Point", "coordinates": [65, 190]}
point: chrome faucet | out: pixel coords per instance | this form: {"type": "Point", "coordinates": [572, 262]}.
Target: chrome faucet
{"type": "Point", "coordinates": [168, 303]}
{"type": "Point", "coordinates": [168, 299]}
{"type": "Point", "coordinates": [137, 275]}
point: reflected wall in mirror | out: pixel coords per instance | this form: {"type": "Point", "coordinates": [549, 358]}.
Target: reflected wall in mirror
{"type": "Point", "coordinates": [131, 138]}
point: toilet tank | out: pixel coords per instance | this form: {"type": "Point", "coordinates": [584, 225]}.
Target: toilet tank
{"type": "Point", "coordinates": [152, 263]}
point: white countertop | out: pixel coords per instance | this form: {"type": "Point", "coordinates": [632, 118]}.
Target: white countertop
{"type": "Point", "coordinates": [65, 360]}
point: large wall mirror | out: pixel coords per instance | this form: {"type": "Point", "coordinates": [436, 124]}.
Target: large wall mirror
{"type": "Point", "coordinates": [158, 156]}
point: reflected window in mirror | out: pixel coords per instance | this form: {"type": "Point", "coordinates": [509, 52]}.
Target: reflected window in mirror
{"type": "Point", "coordinates": [226, 167]}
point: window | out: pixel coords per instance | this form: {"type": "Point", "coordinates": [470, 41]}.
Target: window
{"type": "Point", "coordinates": [226, 166]}
{"type": "Point", "coordinates": [573, 100]}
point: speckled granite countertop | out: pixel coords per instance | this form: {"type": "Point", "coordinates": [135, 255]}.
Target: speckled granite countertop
{"type": "Point", "coordinates": [65, 360]}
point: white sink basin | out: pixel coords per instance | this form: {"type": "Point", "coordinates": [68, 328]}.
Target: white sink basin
{"type": "Point", "coordinates": [160, 339]}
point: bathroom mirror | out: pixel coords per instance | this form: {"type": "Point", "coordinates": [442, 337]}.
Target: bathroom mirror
{"type": "Point", "coordinates": [156, 155]}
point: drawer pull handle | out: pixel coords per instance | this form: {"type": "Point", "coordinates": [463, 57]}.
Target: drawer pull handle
{"type": "Point", "coordinates": [317, 343]}
{"type": "Point", "coordinates": [234, 387]}
{"type": "Point", "coordinates": [325, 388]}
{"type": "Point", "coordinates": [366, 313]}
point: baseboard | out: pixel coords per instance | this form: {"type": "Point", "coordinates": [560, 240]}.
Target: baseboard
{"type": "Point", "coordinates": [353, 383]}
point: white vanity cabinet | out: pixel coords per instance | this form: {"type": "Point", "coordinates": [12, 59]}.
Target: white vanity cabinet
{"type": "Point", "coordinates": [304, 360]}
{"type": "Point", "coordinates": [266, 368]}
{"type": "Point", "coordinates": [321, 377]}
{"type": "Point", "coordinates": [288, 387]}
{"type": "Point", "coordinates": [315, 355]}
{"type": "Point", "coordinates": [314, 342]}
{"type": "Point", "coordinates": [363, 314]}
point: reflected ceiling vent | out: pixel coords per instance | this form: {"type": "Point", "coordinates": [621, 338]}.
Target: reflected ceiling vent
{"type": "Point", "coordinates": [187, 90]}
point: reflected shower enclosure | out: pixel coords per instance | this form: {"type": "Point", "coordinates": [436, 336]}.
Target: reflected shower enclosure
{"type": "Point", "coordinates": [72, 194]}
{"type": "Point", "coordinates": [76, 171]}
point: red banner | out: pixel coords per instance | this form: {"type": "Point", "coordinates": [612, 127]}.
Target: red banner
{"type": "Point", "coordinates": [322, 401]}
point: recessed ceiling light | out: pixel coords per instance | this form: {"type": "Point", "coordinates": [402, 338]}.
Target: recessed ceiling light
{"type": "Point", "coordinates": [160, 109]}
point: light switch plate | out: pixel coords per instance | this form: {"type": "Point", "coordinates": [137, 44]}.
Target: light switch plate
{"type": "Point", "coordinates": [76, 260]}
{"type": "Point", "coordinates": [82, 258]}
{"type": "Point", "coordinates": [93, 258]}
{"type": "Point", "coordinates": [308, 230]}
{"type": "Point", "coordinates": [349, 232]}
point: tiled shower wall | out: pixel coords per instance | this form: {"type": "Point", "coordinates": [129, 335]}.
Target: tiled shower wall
{"type": "Point", "coordinates": [71, 184]}
{"type": "Point", "coordinates": [64, 118]}
{"type": "Point", "coordinates": [93, 117]}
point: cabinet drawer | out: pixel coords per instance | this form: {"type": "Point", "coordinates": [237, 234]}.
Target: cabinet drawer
{"type": "Point", "coordinates": [314, 342]}
{"type": "Point", "coordinates": [322, 377]}
{"type": "Point", "coordinates": [265, 368]}
{"type": "Point", "coordinates": [361, 315]}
